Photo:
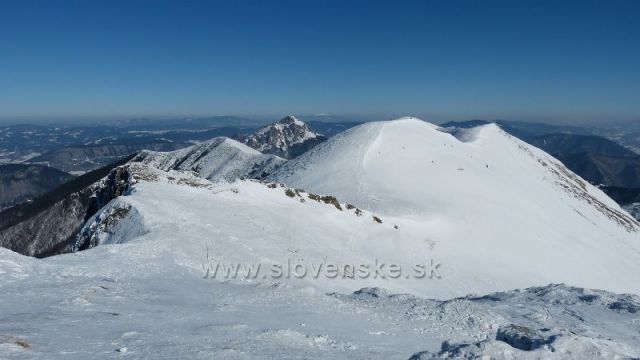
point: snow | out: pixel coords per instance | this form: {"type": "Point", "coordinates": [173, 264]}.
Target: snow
{"type": "Point", "coordinates": [217, 159]}
{"type": "Point", "coordinates": [99, 302]}
{"type": "Point", "coordinates": [503, 214]}
{"type": "Point", "coordinates": [522, 221]}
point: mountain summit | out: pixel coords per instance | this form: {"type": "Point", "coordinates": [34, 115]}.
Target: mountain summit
{"type": "Point", "coordinates": [287, 138]}
{"type": "Point", "coordinates": [483, 199]}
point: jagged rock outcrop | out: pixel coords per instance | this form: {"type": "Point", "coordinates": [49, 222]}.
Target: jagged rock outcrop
{"type": "Point", "coordinates": [287, 138]}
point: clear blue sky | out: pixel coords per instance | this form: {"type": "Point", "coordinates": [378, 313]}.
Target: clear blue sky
{"type": "Point", "coordinates": [523, 60]}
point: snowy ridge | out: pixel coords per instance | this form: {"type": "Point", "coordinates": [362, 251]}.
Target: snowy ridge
{"type": "Point", "coordinates": [217, 159]}
{"type": "Point", "coordinates": [288, 138]}
{"type": "Point", "coordinates": [398, 192]}
{"type": "Point", "coordinates": [192, 209]}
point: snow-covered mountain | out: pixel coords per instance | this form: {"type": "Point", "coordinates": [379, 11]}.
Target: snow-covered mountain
{"type": "Point", "coordinates": [489, 202]}
{"type": "Point", "coordinates": [217, 159]}
{"type": "Point", "coordinates": [286, 138]}
{"type": "Point", "coordinates": [494, 212]}
{"type": "Point", "coordinates": [477, 211]}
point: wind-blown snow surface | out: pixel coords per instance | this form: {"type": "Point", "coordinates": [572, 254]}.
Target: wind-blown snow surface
{"type": "Point", "coordinates": [217, 159]}
{"type": "Point", "coordinates": [145, 295]}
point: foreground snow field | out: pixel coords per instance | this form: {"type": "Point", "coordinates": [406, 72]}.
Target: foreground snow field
{"type": "Point", "coordinates": [491, 215]}
{"type": "Point", "coordinates": [123, 302]}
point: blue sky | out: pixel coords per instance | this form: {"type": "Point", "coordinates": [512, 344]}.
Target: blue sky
{"type": "Point", "coordinates": [522, 60]}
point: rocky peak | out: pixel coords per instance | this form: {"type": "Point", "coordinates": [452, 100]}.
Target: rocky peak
{"type": "Point", "coordinates": [287, 138]}
{"type": "Point", "coordinates": [291, 120]}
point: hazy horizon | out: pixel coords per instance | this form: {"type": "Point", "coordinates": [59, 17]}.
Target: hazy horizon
{"type": "Point", "coordinates": [96, 120]}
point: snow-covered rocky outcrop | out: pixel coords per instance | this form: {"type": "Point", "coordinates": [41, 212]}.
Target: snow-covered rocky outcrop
{"type": "Point", "coordinates": [217, 159]}
{"type": "Point", "coordinates": [286, 138]}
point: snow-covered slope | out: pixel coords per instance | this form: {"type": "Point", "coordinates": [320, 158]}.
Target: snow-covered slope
{"type": "Point", "coordinates": [216, 159]}
{"type": "Point", "coordinates": [252, 222]}
{"type": "Point", "coordinates": [287, 138]}
{"type": "Point", "coordinates": [409, 167]}
{"type": "Point", "coordinates": [142, 293]}
{"type": "Point", "coordinates": [501, 213]}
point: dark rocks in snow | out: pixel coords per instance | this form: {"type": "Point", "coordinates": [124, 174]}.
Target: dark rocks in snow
{"type": "Point", "coordinates": [625, 303]}
{"type": "Point", "coordinates": [331, 200]}
{"type": "Point", "coordinates": [374, 292]}
{"type": "Point", "coordinates": [556, 319]}
{"type": "Point", "coordinates": [104, 222]}
{"type": "Point", "coordinates": [523, 338]}
{"type": "Point", "coordinates": [453, 351]}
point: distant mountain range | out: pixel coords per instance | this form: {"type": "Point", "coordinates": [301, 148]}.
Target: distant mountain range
{"type": "Point", "coordinates": [78, 149]}
{"type": "Point", "coordinates": [599, 160]}
{"type": "Point", "coordinates": [22, 182]}
{"type": "Point", "coordinates": [103, 151]}
{"type": "Point", "coordinates": [563, 143]}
